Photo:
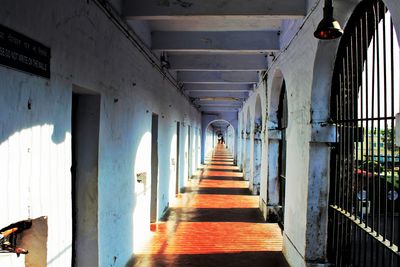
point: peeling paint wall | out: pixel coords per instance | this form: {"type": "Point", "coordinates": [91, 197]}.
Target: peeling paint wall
{"type": "Point", "coordinates": [35, 144]}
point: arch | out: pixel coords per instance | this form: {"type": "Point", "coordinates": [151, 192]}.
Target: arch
{"type": "Point", "coordinates": [275, 93]}
{"type": "Point", "coordinates": [248, 146]}
{"type": "Point", "coordinates": [363, 107]}
{"type": "Point", "coordinates": [325, 58]}
{"type": "Point", "coordinates": [323, 132]}
{"type": "Point", "coordinates": [321, 136]}
{"type": "Point", "coordinates": [207, 140]}
{"type": "Point", "coordinates": [277, 123]}
{"type": "Point", "coordinates": [257, 146]}
{"type": "Point", "coordinates": [219, 120]}
{"type": "Point", "coordinates": [226, 129]}
{"type": "Point", "coordinates": [242, 141]}
{"type": "Point", "coordinates": [257, 109]}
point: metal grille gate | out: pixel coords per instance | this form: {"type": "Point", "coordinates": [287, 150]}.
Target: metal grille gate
{"type": "Point", "coordinates": [364, 186]}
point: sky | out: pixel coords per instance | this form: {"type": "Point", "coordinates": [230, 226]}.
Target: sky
{"type": "Point", "coordinates": [373, 74]}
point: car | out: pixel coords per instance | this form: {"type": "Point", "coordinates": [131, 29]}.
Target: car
{"type": "Point", "coordinates": [371, 166]}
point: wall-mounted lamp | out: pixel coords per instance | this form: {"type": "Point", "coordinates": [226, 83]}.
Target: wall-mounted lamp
{"type": "Point", "coordinates": [328, 28]}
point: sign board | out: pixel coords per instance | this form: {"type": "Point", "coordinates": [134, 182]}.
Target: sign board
{"type": "Point", "coordinates": [22, 53]}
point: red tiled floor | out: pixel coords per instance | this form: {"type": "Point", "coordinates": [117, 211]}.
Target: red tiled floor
{"type": "Point", "coordinates": [221, 158]}
{"type": "Point", "coordinates": [216, 162]}
{"type": "Point", "coordinates": [223, 184]}
{"type": "Point", "coordinates": [216, 222]}
{"type": "Point", "coordinates": [207, 173]}
{"type": "Point", "coordinates": [220, 167]}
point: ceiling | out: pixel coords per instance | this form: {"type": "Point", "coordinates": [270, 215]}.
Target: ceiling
{"type": "Point", "coordinates": [217, 48]}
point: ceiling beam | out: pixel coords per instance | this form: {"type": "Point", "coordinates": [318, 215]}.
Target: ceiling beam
{"type": "Point", "coordinates": [224, 77]}
{"type": "Point", "coordinates": [221, 62]}
{"type": "Point", "coordinates": [233, 102]}
{"type": "Point", "coordinates": [222, 88]}
{"type": "Point", "coordinates": [238, 105]}
{"type": "Point", "coordinates": [218, 109]}
{"type": "Point", "coordinates": [199, 94]}
{"type": "Point", "coordinates": [231, 41]}
{"type": "Point", "coordinates": [173, 9]}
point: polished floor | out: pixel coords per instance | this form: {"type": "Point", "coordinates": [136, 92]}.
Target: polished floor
{"type": "Point", "coordinates": [216, 222]}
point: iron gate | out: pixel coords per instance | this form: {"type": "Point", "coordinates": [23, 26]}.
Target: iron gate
{"type": "Point", "coordinates": [364, 186]}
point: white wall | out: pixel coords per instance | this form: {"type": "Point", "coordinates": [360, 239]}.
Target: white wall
{"type": "Point", "coordinates": [35, 145]}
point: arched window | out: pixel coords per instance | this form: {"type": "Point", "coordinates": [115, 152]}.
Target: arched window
{"type": "Point", "coordinates": [364, 186]}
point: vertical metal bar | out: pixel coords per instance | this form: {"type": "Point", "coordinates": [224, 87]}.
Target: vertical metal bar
{"type": "Point", "coordinates": [335, 230]}
{"type": "Point", "coordinates": [362, 29]}
{"type": "Point", "coordinates": [343, 136]}
{"type": "Point", "coordinates": [355, 135]}
{"type": "Point", "coordinates": [337, 174]}
{"type": "Point", "coordinates": [392, 234]}
{"type": "Point", "coordinates": [378, 92]}
{"type": "Point", "coordinates": [385, 96]}
{"type": "Point", "coordinates": [347, 145]}
{"type": "Point", "coordinates": [385, 135]}
{"type": "Point", "coordinates": [366, 129]}
{"type": "Point", "coordinates": [373, 99]}
{"type": "Point", "coordinates": [358, 100]}
{"type": "Point", "coordinates": [351, 146]}
{"type": "Point", "coordinates": [341, 169]}
{"type": "Point", "coordinates": [373, 132]}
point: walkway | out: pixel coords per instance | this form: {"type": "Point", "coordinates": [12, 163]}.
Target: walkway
{"type": "Point", "coordinates": [216, 222]}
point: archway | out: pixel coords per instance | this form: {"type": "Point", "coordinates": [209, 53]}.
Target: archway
{"type": "Point", "coordinates": [220, 128]}
{"type": "Point", "coordinates": [277, 124]}
{"type": "Point", "coordinates": [282, 125]}
{"type": "Point", "coordinates": [257, 155]}
{"type": "Point", "coordinates": [323, 130]}
{"type": "Point", "coordinates": [242, 142]}
{"type": "Point", "coordinates": [248, 148]}
{"type": "Point", "coordinates": [364, 102]}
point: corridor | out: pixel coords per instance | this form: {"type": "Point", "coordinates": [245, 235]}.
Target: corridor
{"type": "Point", "coordinates": [200, 133]}
{"type": "Point", "coordinates": [214, 222]}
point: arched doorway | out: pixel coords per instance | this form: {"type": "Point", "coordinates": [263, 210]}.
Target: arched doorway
{"type": "Point", "coordinates": [364, 184]}
{"type": "Point", "coordinates": [277, 124]}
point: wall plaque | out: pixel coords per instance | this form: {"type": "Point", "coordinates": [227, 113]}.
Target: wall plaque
{"type": "Point", "coordinates": [22, 53]}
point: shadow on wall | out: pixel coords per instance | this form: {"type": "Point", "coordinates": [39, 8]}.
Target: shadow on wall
{"type": "Point", "coordinates": [142, 186]}
{"type": "Point", "coordinates": [24, 108]}
{"type": "Point", "coordinates": [35, 130]}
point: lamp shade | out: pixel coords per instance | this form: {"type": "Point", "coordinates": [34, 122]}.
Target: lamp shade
{"type": "Point", "coordinates": [328, 28]}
